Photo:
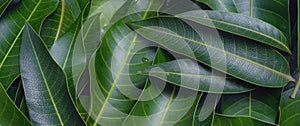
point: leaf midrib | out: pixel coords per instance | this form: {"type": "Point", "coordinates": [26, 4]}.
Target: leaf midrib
{"type": "Point", "coordinates": [247, 29]}
{"type": "Point", "coordinates": [44, 79]}
{"type": "Point", "coordinates": [228, 53]}
{"type": "Point", "coordinates": [16, 38]}
{"type": "Point", "coordinates": [115, 80]}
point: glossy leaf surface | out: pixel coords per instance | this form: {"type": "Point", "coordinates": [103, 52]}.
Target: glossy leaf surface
{"type": "Point", "coordinates": [45, 86]}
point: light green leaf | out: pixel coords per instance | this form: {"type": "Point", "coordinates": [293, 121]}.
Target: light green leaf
{"type": "Point", "coordinates": [274, 12]}
{"type": "Point", "coordinates": [45, 84]}
{"type": "Point", "coordinates": [197, 77]}
{"type": "Point", "coordinates": [236, 56]}
{"type": "Point", "coordinates": [9, 113]}
{"type": "Point", "coordinates": [12, 24]}
{"type": "Point", "coordinates": [242, 25]}
{"type": "Point", "coordinates": [260, 104]}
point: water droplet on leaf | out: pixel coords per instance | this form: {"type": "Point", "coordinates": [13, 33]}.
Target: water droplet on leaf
{"type": "Point", "coordinates": [144, 59]}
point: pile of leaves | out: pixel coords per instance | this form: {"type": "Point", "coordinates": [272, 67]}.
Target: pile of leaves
{"type": "Point", "coordinates": [149, 62]}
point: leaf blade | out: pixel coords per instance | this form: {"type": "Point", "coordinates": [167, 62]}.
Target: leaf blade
{"type": "Point", "coordinates": [48, 82]}
{"type": "Point", "coordinates": [164, 31]}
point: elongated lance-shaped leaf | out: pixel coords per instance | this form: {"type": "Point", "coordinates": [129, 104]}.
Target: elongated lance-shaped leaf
{"type": "Point", "coordinates": [62, 51]}
{"type": "Point", "coordinates": [12, 23]}
{"type": "Point", "coordinates": [59, 22]}
{"type": "Point", "coordinates": [45, 84]}
{"type": "Point", "coordinates": [9, 112]}
{"type": "Point", "coordinates": [242, 25]}
{"type": "Point", "coordinates": [274, 12]}
{"type": "Point", "coordinates": [289, 108]}
{"type": "Point", "coordinates": [3, 6]}
{"type": "Point", "coordinates": [171, 107]}
{"type": "Point", "coordinates": [245, 59]}
{"type": "Point", "coordinates": [260, 104]}
{"type": "Point", "coordinates": [186, 70]}
{"type": "Point", "coordinates": [220, 120]}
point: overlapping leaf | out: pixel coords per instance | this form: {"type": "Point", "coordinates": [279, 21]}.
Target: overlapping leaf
{"type": "Point", "coordinates": [12, 23]}
{"type": "Point", "coordinates": [244, 59]}
{"type": "Point", "coordinates": [274, 12]}
{"type": "Point", "coordinates": [3, 6]}
{"type": "Point", "coordinates": [59, 22]}
{"type": "Point", "coordinates": [260, 104]}
{"type": "Point", "coordinates": [242, 25]}
{"type": "Point", "coordinates": [197, 77]}
{"type": "Point", "coordinates": [9, 113]}
{"type": "Point", "coordinates": [289, 108]}
{"type": "Point", "coordinates": [220, 120]}
{"type": "Point", "coordinates": [45, 84]}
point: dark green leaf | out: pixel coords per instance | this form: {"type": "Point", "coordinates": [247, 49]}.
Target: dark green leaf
{"type": "Point", "coordinates": [260, 104]}
{"type": "Point", "coordinates": [289, 108]}
{"type": "Point", "coordinates": [220, 120]}
{"type": "Point", "coordinates": [44, 84]}
{"type": "Point", "coordinates": [242, 25]}
{"type": "Point", "coordinates": [3, 6]}
{"type": "Point", "coordinates": [58, 23]}
{"type": "Point", "coordinates": [274, 12]}
{"type": "Point", "coordinates": [9, 113]}
{"type": "Point", "coordinates": [239, 57]}
{"type": "Point", "coordinates": [11, 27]}
{"type": "Point", "coordinates": [189, 74]}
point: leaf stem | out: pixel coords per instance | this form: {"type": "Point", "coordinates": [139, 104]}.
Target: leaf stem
{"type": "Point", "coordinates": [293, 96]}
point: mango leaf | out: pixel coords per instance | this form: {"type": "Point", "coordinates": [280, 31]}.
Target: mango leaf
{"type": "Point", "coordinates": [252, 28]}
{"type": "Point", "coordinates": [197, 77]}
{"type": "Point", "coordinates": [274, 12]}
{"type": "Point", "coordinates": [171, 107]}
{"type": "Point", "coordinates": [17, 95]}
{"type": "Point", "coordinates": [45, 84]}
{"type": "Point", "coordinates": [59, 22]}
{"type": "Point", "coordinates": [260, 104]}
{"type": "Point", "coordinates": [206, 110]}
{"type": "Point", "coordinates": [62, 51]}
{"type": "Point", "coordinates": [289, 112]}
{"type": "Point", "coordinates": [220, 120]}
{"type": "Point", "coordinates": [238, 57]}
{"type": "Point", "coordinates": [12, 24]}
{"type": "Point", "coordinates": [9, 113]}
{"type": "Point", "coordinates": [4, 4]}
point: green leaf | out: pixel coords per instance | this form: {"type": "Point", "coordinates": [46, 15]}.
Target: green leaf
{"type": "Point", "coordinates": [44, 84]}
{"type": "Point", "coordinates": [17, 95]}
{"type": "Point", "coordinates": [261, 104]}
{"type": "Point", "coordinates": [4, 5]}
{"type": "Point", "coordinates": [205, 110]}
{"type": "Point", "coordinates": [220, 120]}
{"type": "Point", "coordinates": [9, 113]}
{"type": "Point", "coordinates": [12, 24]}
{"type": "Point", "coordinates": [59, 22]}
{"type": "Point", "coordinates": [252, 28]}
{"type": "Point", "coordinates": [289, 108]}
{"type": "Point", "coordinates": [197, 77]}
{"type": "Point", "coordinates": [62, 52]}
{"type": "Point", "coordinates": [173, 106]}
{"type": "Point", "coordinates": [236, 56]}
{"type": "Point", "coordinates": [274, 12]}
